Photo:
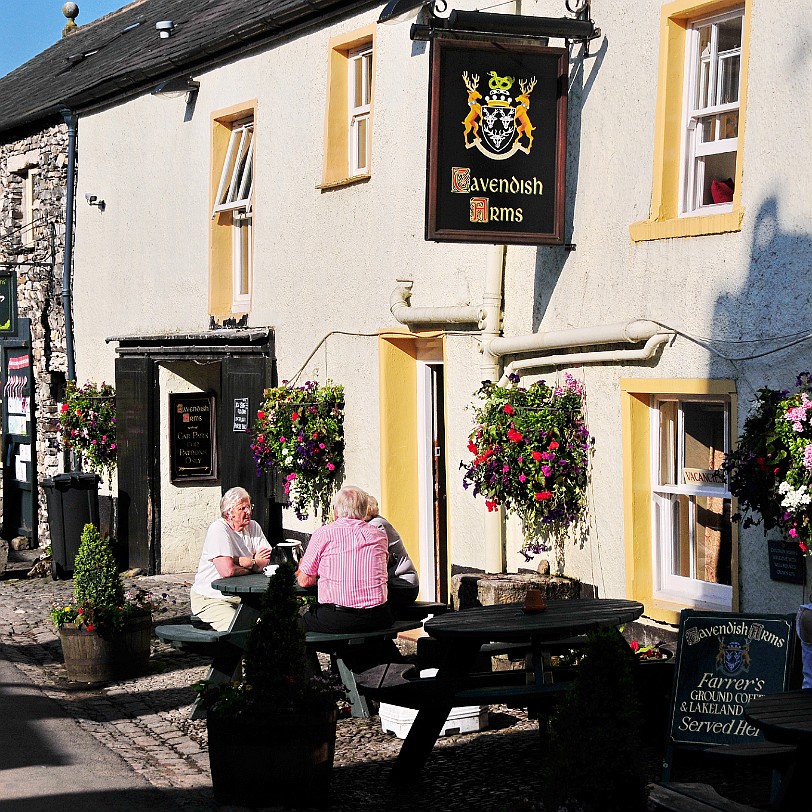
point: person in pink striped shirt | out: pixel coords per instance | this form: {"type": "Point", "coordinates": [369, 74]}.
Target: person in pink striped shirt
{"type": "Point", "coordinates": [348, 560]}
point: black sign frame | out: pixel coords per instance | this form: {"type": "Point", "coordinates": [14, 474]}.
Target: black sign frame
{"type": "Point", "coordinates": [8, 303]}
{"type": "Point", "coordinates": [193, 440]}
{"type": "Point", "coordinates": [786, 561]}
{"type": "Point", "coordinates": [522, 179]}
{"type": "Point", "coordinates": [710, 693]}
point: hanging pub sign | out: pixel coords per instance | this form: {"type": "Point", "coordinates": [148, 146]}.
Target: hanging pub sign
{"type": "Point", "coordinates": [192, 437]}
{"type": "Point", "coordinates": [8, 303]}
{"type": "Point", "coordinates": [497, 143]}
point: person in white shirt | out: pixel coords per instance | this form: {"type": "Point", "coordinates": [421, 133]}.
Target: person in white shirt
{"type": "Point", "coordinates": [234, 545]}
{"type": "Point", "coordinates": [402, 573]}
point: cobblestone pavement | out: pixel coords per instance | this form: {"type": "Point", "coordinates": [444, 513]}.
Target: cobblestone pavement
{"type": "Point", "coordinates": [146, 723]}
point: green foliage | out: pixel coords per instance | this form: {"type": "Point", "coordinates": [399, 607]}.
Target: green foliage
{"type": "Point", "coordinates": [87, 421]}
{"type": "Point", "coordinates": [275, 665]}
{"type": "Point", "coordinates": [594, 762]}
{"type": "Point", "coordinates": [531, 450]}
{"type": "Point", "coordinates": [99, 599]}
{"type": "Point", "coordinates": [299, 432]}
{"type": "Point", "coordinates": [771, 469]}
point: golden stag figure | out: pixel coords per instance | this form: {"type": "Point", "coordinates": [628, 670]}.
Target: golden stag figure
{"type": "Point", "coordinates": [470, 122]}
{"type": "Point", "coordinates": [523, 125]}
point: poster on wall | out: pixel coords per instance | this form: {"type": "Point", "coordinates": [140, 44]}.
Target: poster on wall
{"type": "Point", "coordinates": [192, 437]}
{"type": "Point", "coordinates": [16, 392]}
{"type": "Point", "coordinates": [497, 143]}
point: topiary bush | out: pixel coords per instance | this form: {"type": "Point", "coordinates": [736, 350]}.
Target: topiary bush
{"type": "Point", "coordinates": [594, 762]}
{"type": "Point", "coordinates": [97, 585]}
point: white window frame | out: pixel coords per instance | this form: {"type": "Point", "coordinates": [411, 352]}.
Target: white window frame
{"type": "Point", "coordinates": [29, 212]}
{"type": "Point", "coordinates": [237, 176]}
{"type": "Point", "coordinates": [360, 110]}
{"type": "Point", "coordinates": [242, 261]}
{"type": "Point", "coordinates": [693, 150]}
{"type": "Point", "coordinates": [667, 586]}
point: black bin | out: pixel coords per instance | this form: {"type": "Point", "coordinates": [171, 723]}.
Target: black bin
{"type": "Point", "coordinates": [73, 502]}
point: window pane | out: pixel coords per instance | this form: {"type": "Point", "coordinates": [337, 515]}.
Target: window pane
{"type": "Point", "coordinates": [704, 434]}
{"type": "Point", "coordinates": [361, 144]}
{"type": "Point", "coordinates": [707, 129]}
{"type": "Point", "coordinates": [721, 167]}
{"type": "Point", "coordinates": [704, 546]}
{"type": "Point", "coordinates": [729, 79]}
{"type": "Point", "coordinates": [668, 442]}
{"type": "Point", "coordinates": [730, 34]}
{"type": "Point", "coordinates": [358, 83]}
{"type": "Point", "coordinates": [367, 87]}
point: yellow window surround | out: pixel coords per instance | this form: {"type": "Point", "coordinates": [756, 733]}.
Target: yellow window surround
{"type": "Point", "coordinates": [664, 221]}
{"type": "Point", "coordinates": [336, 123]}
{"type": "Point", "coordinates": [636, 394]}
{"type": "Point", "coordinates": [221, 228]}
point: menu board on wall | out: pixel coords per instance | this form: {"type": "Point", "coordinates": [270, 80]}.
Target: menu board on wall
{"type": "Point", "coordinates": [725, 660]}
{"type": "Point", "coordinates": [192, 437]}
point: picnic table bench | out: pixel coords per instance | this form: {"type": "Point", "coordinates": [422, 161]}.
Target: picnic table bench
{"type": "Point", "coordinates": [225, 649]}
{"type": "Point", "coordinates": [691, 798]}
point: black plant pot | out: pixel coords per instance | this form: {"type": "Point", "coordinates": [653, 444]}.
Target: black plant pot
{"type": "Point", "coordinates": [296, 751]}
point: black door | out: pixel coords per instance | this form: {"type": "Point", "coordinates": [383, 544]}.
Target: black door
{"type": "Point", "coordinates": [243, 380]}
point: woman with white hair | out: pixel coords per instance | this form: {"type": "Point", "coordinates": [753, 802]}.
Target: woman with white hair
{"type": "Point", "coordinates": [234, 545]}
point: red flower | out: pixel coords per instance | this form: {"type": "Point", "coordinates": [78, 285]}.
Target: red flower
{"type": "Point", "coordinates": [543, 496]}
{"type": "Point", "coordinates": [634, 645]}
{"type": "Point", "coordinates": [472, 447]}
{"type": "Point", "coordinates": [294, 416]}
{"type": "Point", "coordinates": [536, 455]}
{"type": "Point", "coordinates": [260, 415]}
{"type": "Point", "coordinates": [491, 505]}
{"type": "Point", "coordinates": [90, 627]}
{"type": "Point", "coordinates": [553, 445]}
{"type": "Point", "coordinates": [508, 409]}
{"type": "Point", "coordinates": [64, 408]}
{"type": "Point", "coordinates": [802, 545]}
{"type": "Point", "coordinates": [514, 436]}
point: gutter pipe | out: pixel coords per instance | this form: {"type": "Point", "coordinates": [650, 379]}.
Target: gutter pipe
{"type": "Point", "coordinates": [419, 316]}
{"type": "Point", "coordinates": [72, 121]}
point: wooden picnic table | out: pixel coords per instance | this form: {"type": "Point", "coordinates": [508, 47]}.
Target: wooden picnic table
{"type": "Point", "coordinates": [462, 634]}
{"type": "Point", "coordinates": [786, 718]}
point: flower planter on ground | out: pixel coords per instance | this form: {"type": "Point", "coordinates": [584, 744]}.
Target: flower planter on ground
{"type": "Point", "coordinates": [95, 658]}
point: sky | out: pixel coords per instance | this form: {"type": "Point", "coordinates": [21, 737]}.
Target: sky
{"type": "Point", "coordinates": [28, 27]}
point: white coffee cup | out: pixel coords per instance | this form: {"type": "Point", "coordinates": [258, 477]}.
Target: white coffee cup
{"type": "Point", "coordinates": [271, 569]}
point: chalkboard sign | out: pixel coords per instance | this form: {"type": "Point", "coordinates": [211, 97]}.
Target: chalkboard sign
{"type": "Point", "coordinates": [723, 661]}
{"type": "Point", "coordinates": [786, 561]}
{"type": "Point", "coordinates": [192, 437]}
{"type": "Point", "coordinates": [240, 414]}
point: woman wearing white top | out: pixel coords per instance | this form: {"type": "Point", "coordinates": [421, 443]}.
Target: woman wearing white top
{"type": "Point", "coordinates": [234, 545]}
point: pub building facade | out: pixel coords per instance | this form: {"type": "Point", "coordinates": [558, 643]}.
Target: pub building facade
{"type": "Point", "coordinates": [327, 194]}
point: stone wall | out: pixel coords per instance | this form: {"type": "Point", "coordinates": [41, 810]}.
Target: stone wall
{"type": "Point", "coordinates": [37, 256]}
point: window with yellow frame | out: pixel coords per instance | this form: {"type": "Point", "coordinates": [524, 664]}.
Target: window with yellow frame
{"type": "Point", "coordinates": [348, 121]}
{"type": "Point", "coordinates": [704, 46]}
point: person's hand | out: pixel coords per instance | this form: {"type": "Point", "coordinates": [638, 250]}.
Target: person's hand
{"type": "Point", "coordinates": [263, 558]}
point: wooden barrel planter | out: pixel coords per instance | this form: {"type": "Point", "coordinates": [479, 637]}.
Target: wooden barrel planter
{"type": "Point", "coordinates": [296, 751]}
{"type": "Point", "coordinates": [95, 658]}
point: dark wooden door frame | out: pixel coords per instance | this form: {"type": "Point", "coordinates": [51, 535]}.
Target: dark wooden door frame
{"type": "Point", "coordinates": [138, 405]}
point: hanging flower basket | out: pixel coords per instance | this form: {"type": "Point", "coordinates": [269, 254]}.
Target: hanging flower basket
{"type": "Point", "coordinates": [771, 469]}
{"type": "Point", "coordinates": [531, 452]}
{"type": "Point", "coordinates": [299, 433]}
{"type": "Point", "coordinates": [87, 421]}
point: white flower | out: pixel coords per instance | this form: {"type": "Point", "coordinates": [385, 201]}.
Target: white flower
{"type": "Point", "coordinates": [794, 497]}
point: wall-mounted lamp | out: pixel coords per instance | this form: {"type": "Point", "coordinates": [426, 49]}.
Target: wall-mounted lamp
{"type": "Point", "coordinates": [165, 28]}
{"type": "Point", "coordinates": [94, 201]}
{"type": "Point", "coordinates": [172, 88]}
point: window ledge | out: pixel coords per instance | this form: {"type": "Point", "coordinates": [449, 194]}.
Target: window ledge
{"type": "Point", "coordinates": [333, 184]}
{"type": "Point", "coordinates": [686, 226]}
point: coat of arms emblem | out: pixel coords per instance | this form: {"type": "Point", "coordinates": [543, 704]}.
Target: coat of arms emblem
{"type": "Point", "coordinates": [499, 123]}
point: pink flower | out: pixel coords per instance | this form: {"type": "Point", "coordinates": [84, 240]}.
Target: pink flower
{"type": "Point", "coordinates": [522, 478]}
{"type": "Point", "coordinates": [330, 466]}
{"type": "Point", "coordinates": [793, 532]}
{"type": "Point", "coordinates": [505, 469]}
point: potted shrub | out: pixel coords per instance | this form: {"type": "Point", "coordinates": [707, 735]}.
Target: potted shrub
{"type": "Point", "coordinates": [105, 633]}
{"type": "Point", "coordinates": [299, 436]}
{"type": "Point", "coordinates": [531, 451]}
{"type": "Point", "coordinates": [279, 715]}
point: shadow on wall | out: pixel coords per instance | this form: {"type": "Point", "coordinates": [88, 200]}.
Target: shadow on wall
{"type": "Point", "coordinates": [550, 260]}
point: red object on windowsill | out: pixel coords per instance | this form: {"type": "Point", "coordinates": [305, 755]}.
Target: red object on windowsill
{"type": "Point", "coordinates": [722, 191]}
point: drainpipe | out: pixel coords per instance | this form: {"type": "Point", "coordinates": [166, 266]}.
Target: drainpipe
{"type": "Point", "coordinates": [72, 121]}
{"type": "Point", "coordinates": [420, 316]}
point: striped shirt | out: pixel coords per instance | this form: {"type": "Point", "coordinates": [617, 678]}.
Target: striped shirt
{"type": "Point", "coordinates": [349, 556]}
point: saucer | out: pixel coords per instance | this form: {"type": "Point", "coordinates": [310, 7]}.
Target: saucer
{"type": "Point", "coordinates": [271, 569]}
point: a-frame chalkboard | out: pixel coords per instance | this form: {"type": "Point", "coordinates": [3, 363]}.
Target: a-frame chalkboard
{"type": "Point", "coordinates": [723, 661]}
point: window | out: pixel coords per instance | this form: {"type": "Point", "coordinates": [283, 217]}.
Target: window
{"type": "Point", "coordinates": [699, 124]}
{"type": "Point", "coordinates": [360, 104]}
{"type": "Point", "coordinates": [350, 93]}
{"type": "Point", "coordinates": [691, 504]}
{"type": "Point", "coordinates": [713, 66]}
{"type": "Point", "coordinates": [232, 213]}
{"type": "Point", "coordinates": [30, 210]}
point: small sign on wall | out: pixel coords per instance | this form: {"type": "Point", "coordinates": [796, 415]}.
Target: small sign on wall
{"type": "Point", "coordinates": [786, 561]}
{"type": "Point", "coordinates": [8, 304]}
{"type": "Point", "coordinates": [240, 414]}
{"type": "Point", "coordinates": [192, 437]}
